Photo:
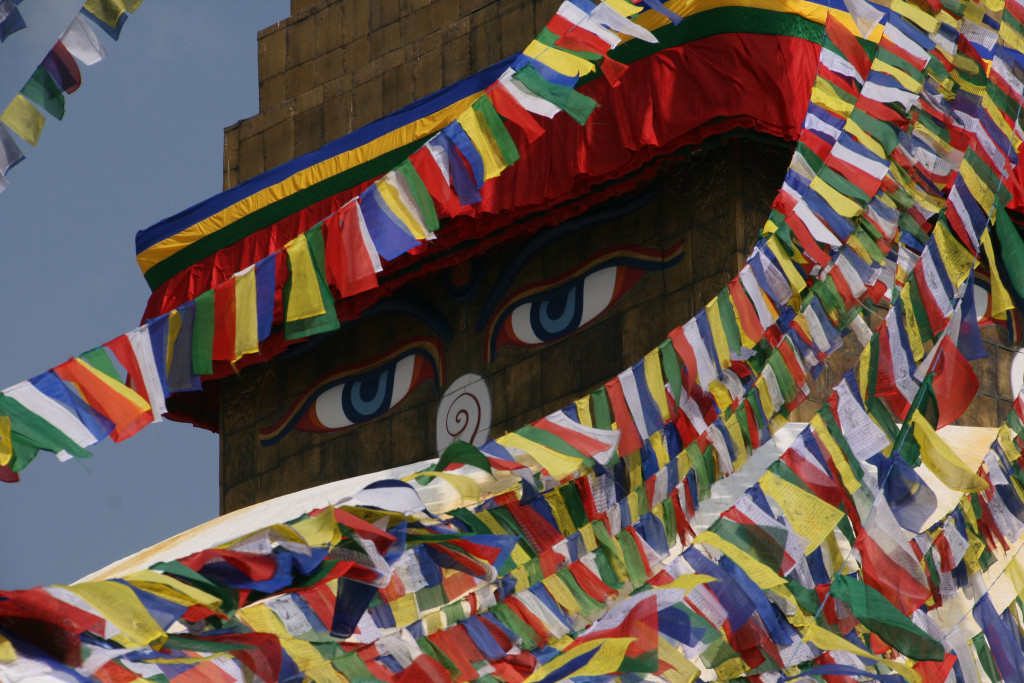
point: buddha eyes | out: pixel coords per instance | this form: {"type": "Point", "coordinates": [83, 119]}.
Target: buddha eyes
{"type": "Point", "coordinates": [556, 308]}
{"type": "Point", "coordinates": [551, 315]}
{"type": "Point", "coordinates": [364, 397]}
{"type": "Point", "coordinates": [353, 395]}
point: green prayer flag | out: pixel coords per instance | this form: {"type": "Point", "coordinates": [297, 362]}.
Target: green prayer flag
{"type": "Point", "coordinates": [506, 145]}
{"type": "Point", "coordinates": [45, 92]}
{"type": "Point", "coordinates": [202, 334]}
{"type": "Point", "coordinates": [31, 433]}
{"type": "Point", "coordinates": [420, 194]}
{"type": "Point", "coordinates": [1011, 253]}
{"type": "Point", "coordinates": [884, 620]}
{"type": "Point", "coordinates": [575, 104]}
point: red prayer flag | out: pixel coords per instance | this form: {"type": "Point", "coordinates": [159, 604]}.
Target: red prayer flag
{"type": "Point", "coordinates": [630, 442]}
{"type": "Point", "coordinates": [510, 109]}
{"type": "Point", "coordinates": [115, 401]}
{"type": "Point", "coordinates": [349, 266]}
{"type": "Point", "coordinates": [954, 383]}
{"type": "Point", "coordinates": [224, 316]}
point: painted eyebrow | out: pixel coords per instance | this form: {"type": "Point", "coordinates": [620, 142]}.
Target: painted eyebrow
{"type": "Point", "coordinates": [610, 210]}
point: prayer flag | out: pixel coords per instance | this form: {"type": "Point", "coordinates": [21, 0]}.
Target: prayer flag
{"type": "Point", "coordinates": [885, 621]}
{"type": "Point", "coordinates": [889, 567]}
{"type": "Point", "coordinates": [10, 154]}
{"type": "Point", "coordinates": [111, 398]}
{"type": "Point", "coordinates": [82, 43]}
{"type": "Point", "coordinates": [390, 237]}
{"type": "Point", "coordinates": [308, 291]}
{"type": "Point", "coordinates": [109, 15]}
{"type": "Point", "coordinates": [44, 91]}
{"type": "Point", "coordinates": [225, 318]}
{"type": "Point", "coordinates": [942, 460]}
{"type": "Point", "coordinates": [59, 415]}
{"type": "Point", "coordinates": [180, 327]}
{"type": "Point", "coordinates": [31, 433]}
{"type": "Point", "coordinates": [509, 107]}
{"type": "Point", "coordinates": [21, 117]}
{"type": "Point", "coordinates": [575, 104]}
{"type": "Point", "coordinates": [348, 258]}
{"type": "Point", "coordinates": [63, 68]}
{"type": "Point", "coordinates": [953, 384]}
{"type": "Point", "coordinates": [246, 338]}
{"type": "Point", "coordinates": [12, 21]}
{"type": "Point", "coordinates": [203, 332]}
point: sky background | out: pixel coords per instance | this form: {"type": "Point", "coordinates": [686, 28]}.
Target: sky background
{"type": "Point", "coordinates": [142, 139]}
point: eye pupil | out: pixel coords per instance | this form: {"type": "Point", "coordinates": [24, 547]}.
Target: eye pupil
{"type": "Point", "coordinates": [365, 398]}
{"type": "Point", "coordinates": [553, 315]}
{"type": "Point", "coordinates": [557, 313]}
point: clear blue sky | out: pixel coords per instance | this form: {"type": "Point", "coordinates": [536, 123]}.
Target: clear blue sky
{"type": "Point", "coordinates": [142, 139]}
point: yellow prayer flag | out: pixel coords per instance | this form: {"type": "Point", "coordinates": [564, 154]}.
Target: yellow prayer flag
{"type": "Point", "coordinates": [999, 299]}
{"type": "Point", "coordinates": [304, 299]}
{"type": "Point", "coordinates": [759, 573]}
{"type": "Point", "coordinates": [109, 11]}
{"type": "Point", "coordinates": [732, 426]}
{"type": "Point", "coordinates": [838, 457]}
{"type": "Point", "coordinates": [718, 333]}
{"type": "Point", "coordinates": [865, 138]}
{"type": "Point", "coordinates": [408, 215]}
{"type": "Point", "coordinates": [583, 411]}
{"type": "Point", "coordinates": [823, 95]}
{"type": "Point", "coordinates": [120, 606]}
{"type": "Point", "coordinates": [942, 461]}
{"type": "Point", "coordinates": [559, 465]}
{"type": "Point", "coordinates": [24, 119]}
{"type": "Point", "coordinates": [172, 589]}
{"type": "Point", "coordinates": [6, 445]}
{"type": "Point", "coordinates": [607, 660]}
{"type": "Point", "coordinates": [796, 281]}
{"type": "Point", "coordinates": [909, 83]}
{"type": "Point", "coordinates": [479, 132]}
{"type": "Point", "coordinates": [173, 328]}
{"type": "Point", "coordinates": [319, 531]}
{"type": "Point", "coordinates": [656, 382]}
{"type": "Point", "coordinates": [979, 189]}
{"type": "Point", "coordinates": [1013, 568]}
{"type": "Point", "coordinates": [561, 61]}
{"type": "Point", "coordinates": [463, 485]}
{"type": "Point", "coordinates": [810, 516]}
{"type": "Point", "coordinates": [926, 21]}
{"type": "Point", "coordinates": [681, 670]}
{"type": "Point", "coordinates": [842, 204]}
{"type": "Point", "coordinates": [246, 323]}
{"type": "Point", "coordinates": [404, 610]}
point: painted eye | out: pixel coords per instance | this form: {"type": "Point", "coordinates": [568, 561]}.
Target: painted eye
{"type": "Point", "coordinates": [350, 396]}
{"type": "Point", "coordinates": [359, 399]}
{"type": "Point", "coordinates": [547, 311]}
{"type": "Point", "coordinates": [556, 313]}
